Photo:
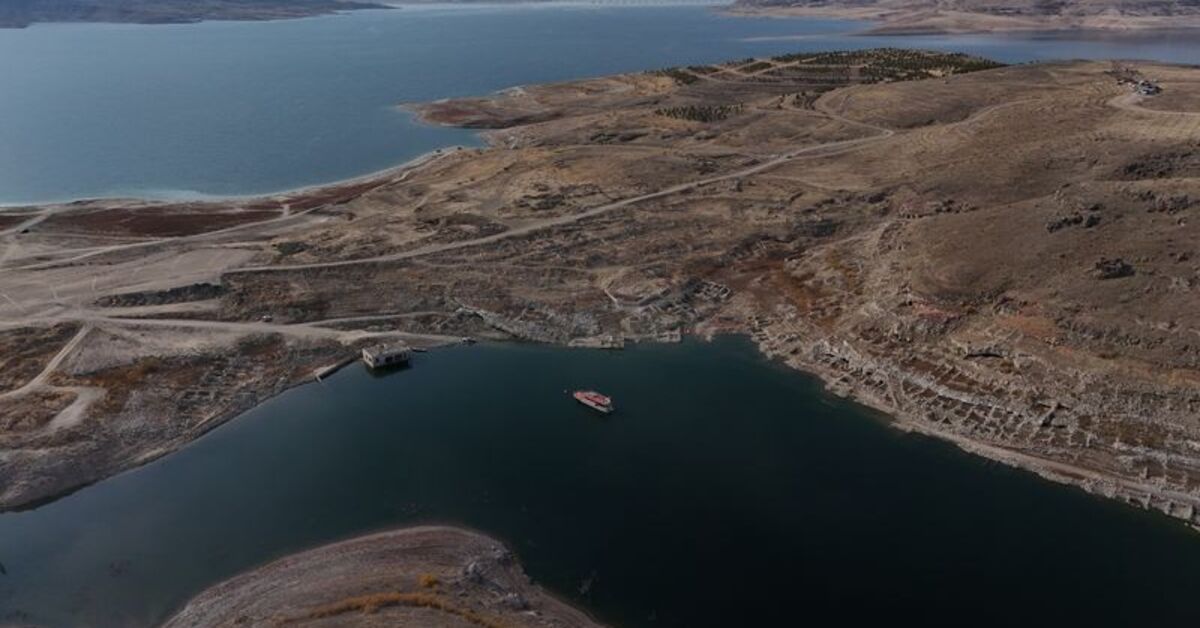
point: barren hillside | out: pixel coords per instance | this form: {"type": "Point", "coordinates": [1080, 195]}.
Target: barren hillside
{"type": "Point", "coordinates": [434, 577]}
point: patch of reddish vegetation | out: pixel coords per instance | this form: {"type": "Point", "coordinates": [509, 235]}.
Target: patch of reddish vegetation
{"type": "Point", "coordinates": [193, 218]}
{"type": "Point", "coordinates": [153, 221]}
{"type": "Point", "coordinates": [449, 113]}
{"type": "Point", "coordinates": [266, 203]}
{"type": "Point", "coordinates": [333, 195]}
{"type": "Point", "coordinates": [481, 114]}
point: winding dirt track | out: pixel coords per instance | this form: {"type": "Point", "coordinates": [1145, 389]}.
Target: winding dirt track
{"type": "Point", "coordinates": [314, 330]}
{"type": "Point", "coordinates": [39, 380]}
{"type": "Point", "coordinates": [391, 176]}
{"type": "Point", "coordinates": [1132, 102]}
{"type": "Point", "coordinates": [819, 150]}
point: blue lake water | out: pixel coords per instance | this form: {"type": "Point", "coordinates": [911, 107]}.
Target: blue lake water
{"type": "Point", "coordinates": [220, 108]}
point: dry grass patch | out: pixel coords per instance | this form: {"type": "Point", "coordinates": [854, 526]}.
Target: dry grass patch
{"type": "Point", "coordinates": [27, 413]}
{"type": "Point", "coordinates": [372, 603]}
{"type": "Point", "coordinates": [25, 352]}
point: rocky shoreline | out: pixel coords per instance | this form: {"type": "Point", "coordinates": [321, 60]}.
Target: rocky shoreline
{"type": "Point", "coordinates": [186, 381]}
{"type": "Point", "coordinates": [848, 375]}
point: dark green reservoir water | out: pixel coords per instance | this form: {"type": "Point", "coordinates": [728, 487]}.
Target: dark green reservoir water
{"type": "Point", "coordinates": [726, 491]}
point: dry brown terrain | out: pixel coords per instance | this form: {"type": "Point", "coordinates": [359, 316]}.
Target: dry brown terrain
{"type": "Point", "coordinates": [1003, 258]}
{"type": "Point", "coordinates": [913, 17]}
{"type": "Point", "coordinates": [432, 577]}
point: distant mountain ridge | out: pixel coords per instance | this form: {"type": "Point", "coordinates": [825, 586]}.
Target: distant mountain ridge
{"type": "Point", "coordinates": [22, 13]}
{"type": "Point", "coordinates": [1005, 7]}
{"type": "Point", "coordinates": [920, 16]}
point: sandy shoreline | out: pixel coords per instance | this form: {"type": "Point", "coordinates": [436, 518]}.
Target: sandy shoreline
{"type": "Point", "coordinates": [381, 176]}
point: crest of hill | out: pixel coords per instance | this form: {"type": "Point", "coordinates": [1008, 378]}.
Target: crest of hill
{"type": "Point", "coordinates": [950, 16]}
{"type": "Point", "coordinates": [1007, 7]}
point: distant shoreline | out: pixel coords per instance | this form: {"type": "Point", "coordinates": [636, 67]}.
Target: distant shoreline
{"type": "Point", "coordinates": [150, 12]}
{"type": "Point", "coordinates": [894, 21]}
{"type": "Point", "coordinates": [290, 193]}
{"type": "Point", "coordinates": [890, 19]}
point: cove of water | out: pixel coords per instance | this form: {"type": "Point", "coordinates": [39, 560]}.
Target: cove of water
{"type": "Point", "coordinates": [725, 491]}
{"type": "Point", "coordinates": [235, 108]}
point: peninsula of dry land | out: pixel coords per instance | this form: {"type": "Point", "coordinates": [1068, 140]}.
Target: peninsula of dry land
{"type": "Point", "coordinates": [1003, 257]}
{"type": "Point", "coordinates": [913, 17]}
{"type": "Point", "coordinates": [433, 577]}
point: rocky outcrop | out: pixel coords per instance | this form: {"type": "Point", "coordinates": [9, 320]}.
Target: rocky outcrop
{"type": "Point", "coordinates": [434, 577]}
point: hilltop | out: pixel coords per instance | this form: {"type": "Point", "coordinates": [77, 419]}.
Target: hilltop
{"type": "Point", "coordinates": [434, 577]}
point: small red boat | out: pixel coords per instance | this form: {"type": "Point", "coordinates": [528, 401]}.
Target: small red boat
{"type": "Point", "coordinates": [593, 400]}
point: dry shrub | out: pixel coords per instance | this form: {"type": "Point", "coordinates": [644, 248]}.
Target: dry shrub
{"type": "Point", "coordinates": [428, 581]}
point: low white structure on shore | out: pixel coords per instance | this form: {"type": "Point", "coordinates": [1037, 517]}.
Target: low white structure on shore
{"type": "Point", "coordinates": [380, 356]}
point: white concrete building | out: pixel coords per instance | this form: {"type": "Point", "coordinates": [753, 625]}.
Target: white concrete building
{"type": "Point", "coordinates": [381, 356]}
